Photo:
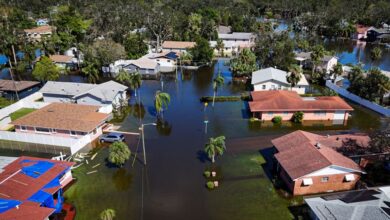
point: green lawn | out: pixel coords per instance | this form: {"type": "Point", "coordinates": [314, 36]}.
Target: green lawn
{"type": "Point", "coordinates": [5, 102]}
{"type": "Point", "coordinates": [20, 113]}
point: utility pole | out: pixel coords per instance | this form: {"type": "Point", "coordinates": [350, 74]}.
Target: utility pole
{"type": "Point", "coordinates": [142, 129]}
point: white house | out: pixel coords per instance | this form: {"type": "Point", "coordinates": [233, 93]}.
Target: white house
{"type": "Point", "coordinates": [275, 79]}
{"type": "Point", "coordinates": [105, 95]}
{"type": "Point", "coordinates": [235, 42]}
{"type": "Point", "coordinates": [327, 62]}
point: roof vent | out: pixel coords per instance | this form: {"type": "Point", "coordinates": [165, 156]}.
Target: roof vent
{"type": "Point", "coordinates": [318, 145]}
{"type": "Point", "coordinates": [328, 136]}
{"type": "Point", "coordinates": [337, 138]}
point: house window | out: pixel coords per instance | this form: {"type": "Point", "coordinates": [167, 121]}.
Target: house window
{"type": "Point", "coordinates": [73, 133]}
{"type": "Point", "coordinates": [23, 128]}
{"type": "Point", "coordinates": [320, 113]}
{"type": "Point", "coordinates": [273, 87]}
{"type": "Point", "coordinates": [324, 179]}
{"type": "Point", "coordinates": [263, 86]}
{"type": "Point", "coordinates": [270, 113]}
{"type": "Point", "coordinates": [42, 130]}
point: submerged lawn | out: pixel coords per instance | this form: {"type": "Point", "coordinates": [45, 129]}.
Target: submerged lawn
{"type": "Point", "coordinates": [20, 113]}
{"type": "Point", "coordinates": [245, 192]}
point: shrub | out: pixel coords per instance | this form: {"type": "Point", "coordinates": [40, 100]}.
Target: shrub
{"type": "Point", "coordinates": [253, 119]}
{"type": "Point", "coordinates": [119, 153]}
{"type": "Point", "coordinates": [207, 174]}
{"type": "Point", "coordinates": [210, 185]}
{"type": "Point", "coordinates": [277, 119]}
{"type": "Point", "coordinates": [297, 117]}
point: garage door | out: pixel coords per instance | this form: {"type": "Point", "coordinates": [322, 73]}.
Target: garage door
{"type": "Point", "coordinates": [339, 115]}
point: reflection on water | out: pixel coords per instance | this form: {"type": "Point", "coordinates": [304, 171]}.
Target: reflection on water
{"type": "Point", "coordinates": [122, 179]}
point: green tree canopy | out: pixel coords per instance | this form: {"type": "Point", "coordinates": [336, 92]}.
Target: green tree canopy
{"type": "Point", "coordinates": [107, 214]}
{"type": "Point", "coordinates": [244, 64]}
{"type": "Point", "coordinates": [45, 70]}
{"type": "Point", "coordinates": [105, 52]}
{"type": "Point", "coordinates": [161, 101]}
{"type": "Point", "coordinates": [215, 146]}
{"type": "Point", "coordinates": [202, 52]}
{"type": "Point", "coordinates": [135, 46]}
{"type": "Point", "coordinates": [119, 153]}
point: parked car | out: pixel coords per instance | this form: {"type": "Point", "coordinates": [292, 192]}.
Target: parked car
{"type": "Point", "coordinates": [111, 137]}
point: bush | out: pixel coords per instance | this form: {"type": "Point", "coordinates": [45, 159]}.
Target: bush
{"type": "Point", "coordinates": [210, 185]}
{"type": "Point", "coordinates": [297, 117]}
{"type": "Point", "coordinates": [277, 119]}
{"type": "Point", "coordinates": [119, 153]}
{"type": "Point", "coordinates": [207, 173]}
{"type": "Point", "coordinates": [220, 98]}
{"type": "Point", "coordinates": [253, 119]}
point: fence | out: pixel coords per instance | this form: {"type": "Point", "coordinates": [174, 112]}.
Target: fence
{"type": "Point", "coordinates": [364, 102]}
{"type": "Point", "coordinates": [71, 144]}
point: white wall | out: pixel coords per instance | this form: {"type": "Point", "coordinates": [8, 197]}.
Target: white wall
{"type": "Point", "coordinates": [271, 85]}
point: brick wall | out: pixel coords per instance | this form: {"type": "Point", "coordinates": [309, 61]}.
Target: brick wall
{"type": "Point", "coordinates": [336, 182]}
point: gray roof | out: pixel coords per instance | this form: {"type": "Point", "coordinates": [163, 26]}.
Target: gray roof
{"type": "Point", "coordinates": [358, 205]}
{"type": "Point", "coordinates": [236, 35]}
{"type": "Point", "coordinates": [224, 29]}
{"type": "Point", "coordinates": [274, 74]}
{"type": "Point", "coordinates": [105, 91]}
{"type": "Point", "coordinates": [306, 56]}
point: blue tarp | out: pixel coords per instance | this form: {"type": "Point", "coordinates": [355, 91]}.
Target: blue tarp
{"type": "Point", "coordinates": [38, 53]}
{"type": "Point", "coordinates": [172, 55]}
{"type": "Point", "coordinates": [54, 183]}
{"type": "Point", "coordinates": [20, 55]}
{"type": "Point", "coordinates": [3, 59]}
{"type": "Point", "coordinates": [6, 204]}
{"type": "Point", "coordinates": [37, 168]}
{"type": "Point", "coordinates": [47, 200]}
{"type": "Point", "coordinates": [41, 197]}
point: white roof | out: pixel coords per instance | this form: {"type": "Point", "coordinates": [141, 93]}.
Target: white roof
{"type": "Point", "coordinates": [105, 91]}
{"type": "Point", "coordinates": [236, 35]}
{"type": "Point", "coordinates": [274, 74]}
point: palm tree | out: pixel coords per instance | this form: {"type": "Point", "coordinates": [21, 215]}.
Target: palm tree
{"type": "Point", "coordinates": [337, 70]}
{"type": "Point", "coordinates": [91, 72]}
{"type": "Point", "coordinates": [135, 81]}
{"type": "Point", "coordinates": [316, 55]}
{"type": "Point", "coordinates": [376, 53]}
{"type": "Point", "coordinates": [161, 101]}
{"type": "Point", "coordinates": [107, 214]}
{"type": "Point", "coordinates": [123, 77]}
{"type": "Point", "coordinates": [218, 82]}
{"type": "Point", "coordinates": [295, 75]}
{"type": "Point", "coordinates": [216, 146]}
{"type": "Point", "coordinates": [220, 46]}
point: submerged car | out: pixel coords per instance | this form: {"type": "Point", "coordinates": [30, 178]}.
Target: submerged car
{"type": "Point", "coordinates": [111, 137]}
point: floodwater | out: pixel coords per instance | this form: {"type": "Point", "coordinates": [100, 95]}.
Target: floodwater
{"type": "Point", "coordinates": [172, 186]}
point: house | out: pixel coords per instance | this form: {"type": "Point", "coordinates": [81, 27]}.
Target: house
{"type": "Point", "coordinates": [236, 41]}
{"type": "Point", "coordinates": [265, 105]}
{"type": "Point", "coordinates": [36, 34]}
{"type": "Point", "coordinates": [177, 46]}
{"type": "Point", "coordinates": [361, 32]}
{"type": "Point", "coordinates": [307, 163]}
{"type": "Point", "coordinates": [63, 120]}
{"type": "Point", "coordinates": [166, 60]}
{"type": "Point", "coordinates": [76, 54]}
{"type": "Point", "coordinates": [42, 22]}
{"type": "Point", "coordinates": [104, 95]}
{"type": "Point", "coordinates": [378, 34]}
{"type": "Point", "coordinates": [372, 203]}
{"type": "Point", "coordinates": [275, 79]}
{"type": "Point", "coordinates": [327, 62]}
{"type": "Point", "coordinates": [9, 88]}
{"type": "Point", "coordinates": [62, 61]}
{"type": "Point", "coordinates": [148, 68]}
{"type": "Point", "coordinates": [32, 188]}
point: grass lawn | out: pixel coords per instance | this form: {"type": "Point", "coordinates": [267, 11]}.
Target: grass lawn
{"type": "Point", "coordinates": [20, 113]}
{"type": "Point", "coordinates": [245, 192]}
{"type": "Point", "coordinates": [5, 102]}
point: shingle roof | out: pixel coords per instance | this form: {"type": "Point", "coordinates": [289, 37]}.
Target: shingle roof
{"type": "Point", "coordinates": [104, 91]}
{"type": "Point", "coordinates": [40, 29]}
{"type": "Point", "coordinates": [144, 63]}
{"type": "Point", "coordinates": [61, 58]}
{"type": "Point", "coordinates": [271, 73]}
{"type": "Point", "coordinates": [307, 56]}
{"type": "Point", "coordinates": [236, 35]}
{"type": "Point", "coordinates": [9, 85]}
{"type": "Point", "coordinates": [178, 44]}
{"type": "Point", "coordinates": [299, 153]}
{"type": "Point", "coordinates": [16, 185]}
{"type": "Point", "coordinates": [364, 207]}
{"type": "Point", "coordinates": [64, 116]}
{"type": "Point", "coordinates": [283, 100]}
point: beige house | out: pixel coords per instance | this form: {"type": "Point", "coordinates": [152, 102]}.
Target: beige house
{"type": "Point", "coordinates": [177, 46]}
{"type": "Point", "coordinates": [36, 34]}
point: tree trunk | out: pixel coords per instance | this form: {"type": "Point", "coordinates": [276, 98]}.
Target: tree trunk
{"type": "Point", "coordinates": [215, 92]}
{"type": "Point", "coordinates": [213, 159]}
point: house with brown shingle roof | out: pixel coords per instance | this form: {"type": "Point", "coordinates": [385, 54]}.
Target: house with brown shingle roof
{"type": "Point", "coordinates": [63, 120]}
{"type": "Point", "coordinates": [308, 163]}
{"type": "Point", "coordinates": [266, 105]}
{"type": "Point", "coordinates": [36, 34]}
{"type": "Point", "coordinates": [177, 46]}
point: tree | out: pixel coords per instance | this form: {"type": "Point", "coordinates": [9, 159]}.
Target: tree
{"type": "Point", "coordinates": [295, 75]}
{"type": "Point", "coordinates": [215, 146]}
{"type": "Point", "coordinates": [220, 47]}
{"type": "Point", "coordinates": [297, 117]}
{"type": "Point", "coordinates": [45, 70]}
{"type": "Point", "coordinates": [217, 82]}
{"type": "Point", "coordinates": [105, 52]}
{"type": "Point", "coordinates": [316, 55]}
{"type": "Point", "coordinates": [119, 153]}
{"type": "Point", "coordinates": [336, 71]}
{"type": "Point", "coordinates": [380, 141]}
{"type": "Point", "coordinates": [202, 52]}
{"type": "Point", "coordinates": [377, 84]}
{"type": "Point", "coordinates": [194, 26]}
{"type": "Point", "coordinates": [91, 71]}
{"type": "Point", "coordinates": [123, 77]}
{"type": "Point", "coordinates": [161, 101]}
{"type": "Point", "coordinates": [376, 53]}
{"type": "Point", "coordinates": [244, 64]}
{"type": "Point", "coordinates": [135, 81]}
{"type": "Point", "coordinates": [107, 214]}
{"type": "Point", "coordinates": [135, 46]}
